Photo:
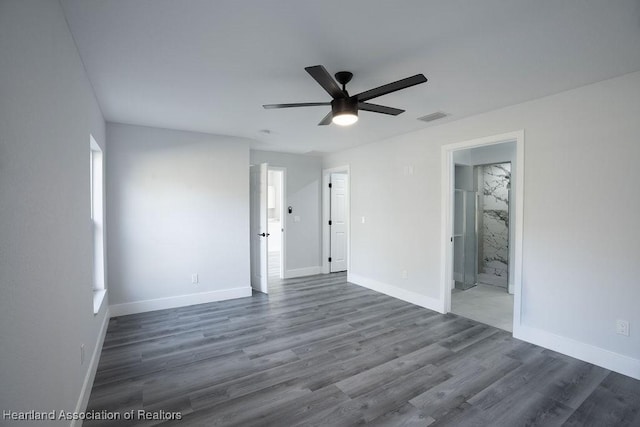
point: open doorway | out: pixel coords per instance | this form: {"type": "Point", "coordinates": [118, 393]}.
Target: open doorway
{"type": "Point", "coordinates": [481, 207]}
{"type": "Point", "coordinates": [336, 224]}
{"type": "Point", "coordinates": [267, 189]}
{"type": "Point", "coordinates": [482, 185]}
{"type": "Point", "coordinates": [275, 222]}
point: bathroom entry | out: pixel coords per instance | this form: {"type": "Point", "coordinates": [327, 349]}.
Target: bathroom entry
{"type": "Point", "coordinates": [481, 225]}
{"type": "Point", "coordinates": [484, 262]}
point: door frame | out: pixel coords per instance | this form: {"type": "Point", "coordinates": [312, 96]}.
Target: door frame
{"type": "Point", "coordinates": [283, 204]}
{"type": "Point", "coordinates": [326, 214]}
{"type": "Point", "coordinates": [447, 168]}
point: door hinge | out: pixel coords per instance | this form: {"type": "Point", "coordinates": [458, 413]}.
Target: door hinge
{"type": "Point", "coordinates": [329, 259]}
{"type": "Point", "coordinates": [329, 222]}
{"type": "Point", "coordinates": [329, 185]}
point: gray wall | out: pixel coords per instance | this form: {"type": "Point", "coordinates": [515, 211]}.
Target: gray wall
{"type": "Point", "coordinates": [580, 243]}
{"type": "Point", "coordinates": [177, 204]}
{"type": "Point", "coordinates": [47, 111]}
{"type": "Point", "coordinates": [303, 188]}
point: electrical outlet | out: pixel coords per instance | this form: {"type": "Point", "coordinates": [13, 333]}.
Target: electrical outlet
{"type": "Point", "coordinates": [194, 278]}
{"type": "Point", "coordinates": [404, 274]}
{"type": "Point", "coordinates": [82, 354]}
{"type": "Point", "coordinates": [622, 327]}
{"type": "Point", "coordinates": [363, 220]}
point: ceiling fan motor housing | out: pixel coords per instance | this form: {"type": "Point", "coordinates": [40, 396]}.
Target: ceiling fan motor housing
{"type": "Point", "coordinates": [340, 106]}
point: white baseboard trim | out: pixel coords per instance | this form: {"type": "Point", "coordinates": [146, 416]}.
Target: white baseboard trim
{"type": "Point", "coordinates": [396, 292]}
{"type": "Point", "coordinates": [178, 301]}
{"type": "Point", "coordinates": [87, 384]}
{"type": "Point", "coordinates": [301, 272]}
{"type": "Point", "coordinates": [598, 356]}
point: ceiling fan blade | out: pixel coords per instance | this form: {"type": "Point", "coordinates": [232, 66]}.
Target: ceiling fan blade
{"type": "Point", "coordinates": [326, 120]}
{"type": "Point", "coordinates": [392, 87]}
{"type": "Point", "coordinates": [324, 79]}
{"type": "Point", "coordinates": [300, 104]}
{"type": "Point", "coordinates": [375, 108]}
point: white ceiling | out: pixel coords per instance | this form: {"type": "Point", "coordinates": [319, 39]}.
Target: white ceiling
{"type": "Point", "coordinates": [209, 65]}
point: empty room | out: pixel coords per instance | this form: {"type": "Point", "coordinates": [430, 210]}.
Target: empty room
{"type": "Point", "coordinates": [286, 213]}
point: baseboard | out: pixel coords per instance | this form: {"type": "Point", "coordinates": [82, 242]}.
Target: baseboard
{"type": "Point", "coordinates": [301, 272]}
{"type": "Point", "coordinates": [178, 301]}
{"type": "Point", "coordinates": [85, 392]}
{"type": "Point", "coordinates": [598, 356]}
{"type": "Point", "coordinates": [396, 292]}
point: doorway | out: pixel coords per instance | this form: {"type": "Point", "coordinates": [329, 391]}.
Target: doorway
{"type": "Point", "coordinates": [275, 222]}
{"type": "Point", "coordinates": [336, 224]}
{"type": "Point", "coordinates": [482, 218]}
{"type": "Point", "coordinates": [267, 232]}
{"type": "Point", "coordinates": [481, 239]}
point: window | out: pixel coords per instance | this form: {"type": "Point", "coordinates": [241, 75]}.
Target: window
{"type": "Point", "coordinates": [97, 222]}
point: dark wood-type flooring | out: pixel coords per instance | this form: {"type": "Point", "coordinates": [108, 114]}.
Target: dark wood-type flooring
{"type": "Point", "coordinates": [321, 351]}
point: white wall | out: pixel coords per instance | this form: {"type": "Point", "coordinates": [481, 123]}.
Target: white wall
{"type": "Point", "coordinates": [303, 192]}
{"type": "Point", "coordinates": [177, 204]}
{"type": "Point", "coordinates": [47, 111]}
{"type": "Point", "coordinates": [581, 241]}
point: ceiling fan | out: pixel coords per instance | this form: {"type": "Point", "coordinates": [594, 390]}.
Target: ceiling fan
{"type": "Point", "coordinates": [344, 107]}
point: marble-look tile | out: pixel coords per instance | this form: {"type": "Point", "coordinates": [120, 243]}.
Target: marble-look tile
{"type": "Point", "coordinates": [495, 186]}
{"type": "Point", "coordinates": [495, 222]}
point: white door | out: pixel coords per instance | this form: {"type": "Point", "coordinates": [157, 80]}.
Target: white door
{"type": "Point", "coordinates": [258, 227]}
{"type": "Point", "coordinates": [338, 222]}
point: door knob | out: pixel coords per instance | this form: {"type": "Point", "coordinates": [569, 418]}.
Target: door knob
{"type": "Point", "coordinates": [264, 234]}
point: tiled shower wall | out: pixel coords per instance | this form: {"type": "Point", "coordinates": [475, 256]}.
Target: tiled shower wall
{"type": "Point", "coordinates": [493, 209]}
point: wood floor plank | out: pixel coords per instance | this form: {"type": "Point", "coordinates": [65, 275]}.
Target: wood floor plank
{"type": "Point", "coordinates": [397, 393]}
{"type": "Point", "coordinates": [321, 351]}
{"type": "Point", "coordinates": [405, 416]}
{"type": "Point", "coordinates": [438, 401]}
{"type": "Point", "coordinates": [380, 375]}
{"type": "Point", "coordinates": [299, 411]}
{"type": "Point", "coordinates": [613, 403]}
{"type": "Point", "coordinates": [218, 392]}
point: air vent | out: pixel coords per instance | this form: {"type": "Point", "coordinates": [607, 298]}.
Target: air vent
{"type": "Point", "coordinates": [433, 116]}
{"type": "Point", "coordinates": [316, 153]}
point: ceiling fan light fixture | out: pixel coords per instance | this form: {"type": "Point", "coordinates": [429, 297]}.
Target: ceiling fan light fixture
{"type": "Point", "coordinates": [345, 119]}
{"type": "Point", "coordinates": [344, 111]}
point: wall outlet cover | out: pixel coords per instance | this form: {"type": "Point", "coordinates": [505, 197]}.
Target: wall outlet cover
{"type": "Point", "coordinates": [622, 327]}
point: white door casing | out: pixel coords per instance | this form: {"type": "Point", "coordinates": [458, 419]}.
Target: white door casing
{"type": "Point", "coordinates": [447, 195]}
{"type": "Point", "coordinates": [258, 227]}
{"type": "Point", "coordinates": [338, 224]}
